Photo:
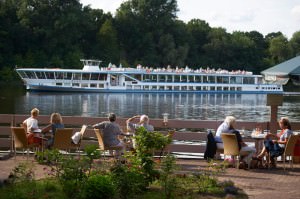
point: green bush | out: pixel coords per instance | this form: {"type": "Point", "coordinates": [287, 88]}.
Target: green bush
{"type": "Point", "coordinates": [129, 180]}
{"type": "Point", "coordinates": [99, 187]}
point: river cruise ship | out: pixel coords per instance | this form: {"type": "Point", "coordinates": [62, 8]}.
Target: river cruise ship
{"type": "Point", "coordinates": [93, 78]}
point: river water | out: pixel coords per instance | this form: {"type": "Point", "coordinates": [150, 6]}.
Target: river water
{"type": "Point", "coordinates": [245, 107]}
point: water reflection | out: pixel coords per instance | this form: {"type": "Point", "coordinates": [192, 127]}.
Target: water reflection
{"type": "Point", "coordinates": [247, 107]}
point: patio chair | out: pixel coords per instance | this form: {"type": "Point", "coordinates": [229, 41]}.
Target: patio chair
{"type": "Point", "coordinates": [78, 145]}
{"type": "Point", "coordinates": [62, 139]}
{"type": "Point", "coordinates": [102, 147]}
{"type": "Point", "coordinates": [20, 141]}
{"type": "Point", "coordinates": [289, 150]}
{"type": "Point", "coordinates": [231, 147]}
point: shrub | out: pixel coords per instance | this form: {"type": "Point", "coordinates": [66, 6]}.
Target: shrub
{"type": "Point", "coordinates": [129, 180]}
{"type": "Point", "coordinates": [99, 187]}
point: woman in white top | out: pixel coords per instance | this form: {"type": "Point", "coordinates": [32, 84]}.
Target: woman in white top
{"type": "Point", "coordinates": [31, 125]}
{"type": "Point", "coordinates": [228, 127]}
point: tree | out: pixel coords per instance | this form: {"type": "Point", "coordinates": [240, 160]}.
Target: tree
{"type": "Point", "coordinates": [279, 49]}
{"type": "Point", "coordinates": [295, 43]}
{"type": "Point", "coordinates": [108, 40]}
{"type": "Point", "coordinates": [198, 31]}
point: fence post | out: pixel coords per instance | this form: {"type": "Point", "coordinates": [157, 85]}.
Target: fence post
{"type": "Point", "coordinates": [274, 100]}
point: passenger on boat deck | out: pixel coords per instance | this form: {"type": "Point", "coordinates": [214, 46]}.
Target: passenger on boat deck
{"type": "Point", "coordinates": [111, 131]}
{"type": "Point", "coordinates": [56, 122]}
{"type": "Point", "coordinates": [275, 143]}
{"type": "Point", "coordinates": [32, 128]}
{"type": "Point", "coordinates": [144, 121]}
{"type": "Point", "coordinates": [228, 127]}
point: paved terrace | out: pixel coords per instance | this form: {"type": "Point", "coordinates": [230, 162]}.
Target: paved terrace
{"type": "Point", "coordinates": [257, 183]}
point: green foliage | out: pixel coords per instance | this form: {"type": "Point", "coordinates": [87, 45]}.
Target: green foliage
{"type": "Point", "coordinates": [146, 143]}
{"type": "Point", "coordinates": [129, 179]}
{"type": "Point", "coordinates": [167, 178]}
{"type": "Point", "coordinates": [99, 187]}
{"type": "Point", "coordinates": [72, 173]}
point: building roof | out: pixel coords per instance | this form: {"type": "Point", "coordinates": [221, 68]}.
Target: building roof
{"type": "Point", "coordinates": [289, 67]}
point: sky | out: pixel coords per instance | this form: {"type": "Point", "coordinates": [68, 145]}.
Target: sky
{"type": "Point", "coordinates": [264, 16]}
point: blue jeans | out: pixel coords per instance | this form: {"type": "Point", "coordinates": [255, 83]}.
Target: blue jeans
{"type": "Point", "coordinates": [273, 148]}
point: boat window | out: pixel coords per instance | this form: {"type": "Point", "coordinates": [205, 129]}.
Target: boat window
{"type": "Point", "coordinates": [49, 75]}
{"type": "Point", "coordinates": [76, 76]}
{"type": "Point", "coordinates": [100, 85]}
{"type": "Point", "coordinates": [137, 76]}
{"type": "Point", "coordinates": [40, 75]}
{"type": "Point", "coordinates": [147, 78]}
{"type": "Point", "coordinates": [236, 80]}
{"type": "Point", "coordinates": [93, 85]}
{"type": "Point", "coordinates": [225, 80]}
{"type": "Point", "coordinates": [191, 78]}
{"type": "Point", "coordinates": [176, 78]}
{"type": "Point", "coordinates": [58, 84]}
{"type": "Point", "coordinates": [153, 78]}
{"type": "Point", "coordinates": [95, 76]}
{"type": "Point", "coordinates": [220, 79]}
{"type": "Point", "coordinates": [146, 87]}
{"type": "Point", "coordinates": [205, 79]}
{"type": "Point", "coordinates": [183, 78]}
{"type": "Point", "coordinates": [59, 75]}
{"type": "Point", "coordinates": [23, 74]}
{"type": "Point", "coordinates": [198, 88]}
{"type": "Point", "coordinates": [211, 79]}
{"type": "Point", "coordinates": [67, 75]}
{"type": "Point", "coordinates": [75, 84]}
{"type": "Point", "coordinates": [212, 88]}
{"type": "Point", "coordinates": [30, 75]}
{"type": "Point", "coordinates": [86, 76]}
{"type": "Point", "coordinates": [197, 78]}
{"type": "Point", "coordinates": [248, 80]}
{"type": "Point", "coordinates": [232, 88]}
{"type": "Point", "coordinates": [84, 85]}
{"type": "Point", "coordinates": [176, 88]}
{"type": "Point", "coordinates": [219, 88]}
{"type": "Point", "coordinates": [161, 78]}
{"type": "Point", "coordinates": [183, 88]}
{"type": "Point", "coordinates": [168, 78]}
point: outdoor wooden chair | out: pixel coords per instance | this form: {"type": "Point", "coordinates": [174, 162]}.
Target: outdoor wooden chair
{"type": "Point", "coordinates": [78, 145]}
{"type": "Point", "coordinates": [62, 139]}
{"type": "Point", "coordinates": [20, 141]}
{"type": "Point", "coordinates": [289, 150]}
{"type": "Point", "coordinates": [102, 147]}
{"type": "Point", "coordinates": [231, 147]}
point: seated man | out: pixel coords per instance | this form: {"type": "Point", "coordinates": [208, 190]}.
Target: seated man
{"type": "Point", "coordinates": [111, 130]}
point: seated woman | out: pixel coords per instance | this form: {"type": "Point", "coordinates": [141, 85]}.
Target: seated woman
{"type": "Point", "coordinates": [55, 123]}
{"type": "Point", "coordinates": [228, 127]}
{"type": "Point", "coordinates": [275, 144]}
{"type": "Point", "coordinates": [32, 128]}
